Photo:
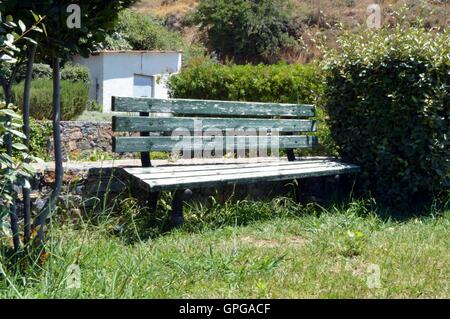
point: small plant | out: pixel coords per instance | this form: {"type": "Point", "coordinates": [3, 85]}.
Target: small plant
{"type": "Point", "coordinates": [353, 243]}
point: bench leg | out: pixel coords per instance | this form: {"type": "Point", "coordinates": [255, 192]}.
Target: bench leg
{"type": "Point", "coordinates": [298, 191]}
{"type": "Point", "coordinates": [153, 201]}
{"type": "Point", "coordinates": [179, 197]}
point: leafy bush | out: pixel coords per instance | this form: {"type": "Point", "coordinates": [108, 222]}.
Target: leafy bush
{"type": "Point", "coordinates": [387, 94]}
{"type": "Point", "coordinates": [247, 31]}
{"type": "Point", "coordinates": [135, 31]}
{"type": "Point", "coordinates": [261, 83]}
{"type": "Point", "coordinates": [70, 72]}
{"type": "Point", "coordinates": [41, 133]}
{"type": "Point", "coordinates": [280, 83]}
{"type": "Point", "coordinates": [75, 73]}
{"type": "Point", "coordinates": [40, 71]}
{"type": "Point", "coordinates": [74, 98]}
{"type": "Point", "coordinates": [15, 171]}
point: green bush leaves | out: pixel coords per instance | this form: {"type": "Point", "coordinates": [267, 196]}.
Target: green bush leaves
{"type": "Point", "coordinates": [387, 95]}
{"type": "Point", "coordinates": [74, 99]}
{"type": "Point", "coordinates": [261, 83]}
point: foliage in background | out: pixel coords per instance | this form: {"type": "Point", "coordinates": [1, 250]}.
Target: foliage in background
{"type": "Point", "coordinates": [280, 83]}
{"type": "Point", "coordinates": [387, 94]}
{"type": "Point", "coordinates": [14, 170]}
{"type": "Point", "coordinates": [74, 99]}
{"type": "Point", "coordinates": [139, 32]}
{"type": "Point", "coordinates": [70, 72]}
{"type": "Point", "coordinates": [247, 31]}
{"type": "Point", "coordinates": [75, 73]}
{"type": "Point", "coordinates": [40, 71]}
{"type": "Point", "coordinates": [40, 137]}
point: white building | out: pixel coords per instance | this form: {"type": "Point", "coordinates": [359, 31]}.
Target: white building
{"type": "Point", "coordinates": [130, 73]}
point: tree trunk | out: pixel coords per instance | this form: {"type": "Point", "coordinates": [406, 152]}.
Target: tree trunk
{"type": "Point", "coordinates": [59, 171]}
{"type": "Point", "coordinates": [26, 131]}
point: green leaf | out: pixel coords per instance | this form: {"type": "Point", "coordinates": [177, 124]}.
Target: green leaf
{"type": "Point", "coordinates": [10, 113]}
{"type": "Point", "coordinates": [19, 147]}
{"type": "Point", "coordinates": [22, 26]}
{"type": "Point", "coordinates": [16, 133]}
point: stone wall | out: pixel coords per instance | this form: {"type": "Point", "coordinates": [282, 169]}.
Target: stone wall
{"type": "Point", "coordinates": [81, 138]}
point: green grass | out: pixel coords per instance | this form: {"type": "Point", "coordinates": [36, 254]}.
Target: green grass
{"type": "Point", "coordinates": [243, 250]}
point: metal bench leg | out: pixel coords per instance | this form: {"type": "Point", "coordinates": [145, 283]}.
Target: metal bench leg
{"type": "Point", "coordinates": [177, 206]}
{"type": "Point", "coordinates": [153, 201]}
{"type": "Point", "coordinates": [298, 191]}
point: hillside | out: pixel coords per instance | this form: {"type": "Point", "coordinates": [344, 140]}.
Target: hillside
{"type": "Point", "coordinates": [350, 12]}
{"type": "Point", "coordinates": [321, 20]}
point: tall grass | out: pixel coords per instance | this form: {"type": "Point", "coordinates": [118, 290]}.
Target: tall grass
{"type": "Point", "coordinates": [241, 249]}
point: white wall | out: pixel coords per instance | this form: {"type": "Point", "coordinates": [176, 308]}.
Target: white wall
{"type": "Point", "coordinates": [117, 70]}
{"type": "Point", "coordinates": [95, 65]}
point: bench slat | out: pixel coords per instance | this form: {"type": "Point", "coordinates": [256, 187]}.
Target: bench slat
{"type": "Point", "coordinates": [168, 124]}
{"type": "Point", "coordinates": [237, 170]}
{"type": "Point", "coordinates": [167, 144]}
{"type": "Point", "coordinates": [219, 177]}
{"type": "Point", "coordinates": [201, 167]}
{"type": "Point", "coordinates": [212, 108]}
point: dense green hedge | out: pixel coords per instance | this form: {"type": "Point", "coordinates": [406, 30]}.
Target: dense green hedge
{"type": "Point", "coordinates": [261, 83]}
{"type": "Point", "coordinates": [387, 95]}
{"type": "Point", "coordinates": [74, 99]}
{"type": "Point", "coordinates": [280, 83]}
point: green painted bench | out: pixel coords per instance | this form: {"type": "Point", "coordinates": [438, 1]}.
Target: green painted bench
{"type": "Point", "coordinates": [290, 122]}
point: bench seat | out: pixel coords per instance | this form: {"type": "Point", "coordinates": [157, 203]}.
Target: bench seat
{"type": "Point", "coordinates": [174, 177]}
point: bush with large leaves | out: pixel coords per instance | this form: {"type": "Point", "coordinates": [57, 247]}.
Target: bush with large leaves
{"type": "Point", "coordinates": [387, 94]}
{"type": "Point", "coordinates": [15, 171]}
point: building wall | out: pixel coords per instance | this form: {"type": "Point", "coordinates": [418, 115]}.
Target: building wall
{"type": "Point", "coordinates": [115, 72]}
{"type": "Point", "coordinates": [95, 65]}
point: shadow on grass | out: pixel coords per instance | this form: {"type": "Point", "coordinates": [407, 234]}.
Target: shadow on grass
{"type": "Point", "coordinates": [133, 221]}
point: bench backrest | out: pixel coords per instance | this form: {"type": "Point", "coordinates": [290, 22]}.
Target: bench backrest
{"type": "Point", "coordinates": [291, 120]}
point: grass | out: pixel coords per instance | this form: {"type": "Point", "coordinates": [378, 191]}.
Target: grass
{"type": "Point", "coordinates": [244, 249]}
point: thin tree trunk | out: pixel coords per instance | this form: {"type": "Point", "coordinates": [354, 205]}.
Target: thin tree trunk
{"type": "Point", "coordinates": [26, 131]}
{"type": "Point", "coordinates": [59, 171]}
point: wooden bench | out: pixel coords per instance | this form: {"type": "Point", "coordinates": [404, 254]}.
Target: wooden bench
{"type": "Point", "coordinates": [289, 121]}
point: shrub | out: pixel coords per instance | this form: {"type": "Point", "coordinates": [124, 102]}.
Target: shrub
{"type": "Point", "coordinates": [261, 83]}
{"type": "Point", "coordinates": [74, 98]}
{"type": "Point", "coordinates": [135, 31]}
{"type": "Point", "coordinates": [75, 73]}
{"type": "Point", "coordinates": [279, 83]}
{"type": "Point", "coordinates": [40, 71]}
{"type": "Point", "coordinates": [387, 95]}
{"type": "Point", "coordinates": [41, 133]}
{"type": "Point", "coordinates": [70, 72]}
{"type": "Point", "coordinates": [247, 31]}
